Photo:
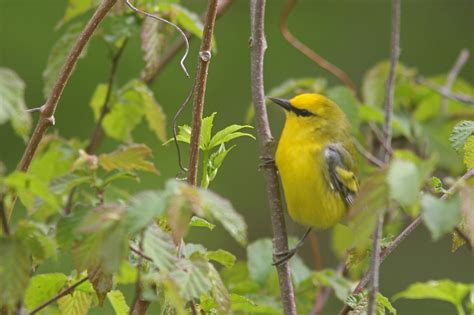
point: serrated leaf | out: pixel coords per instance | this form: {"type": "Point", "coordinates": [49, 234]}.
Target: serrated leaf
{"type": "Point", "coordinates": [223, 257]}
{"type": "Point", "coordinates": [440, 216]}
{"type": "Point", "coordinates": [34, 237]}
{"type": "Point", "coordinates": [466, 196]}
{"type": "Point", "coordinates": [15, 267]}
{"type": "Point", "coordinates": [460, 133]}
{"type": "Point", "coordinates": [206, 130]}
{"type": "Point", "coordinates": [58, 56]}
{"type": "Point", "coordinates": [12, 106]}
{"type": "Point", "coordinates": [102, 282]}
{"type": "Point", "coordinates": [151, 43]}
{"type": "Point", "coordinates": [219, 291]}
{"type": "Point", "coordinates": [144, 207]}
{"type": "Point", "coordinates": [75, 8]}
{"type": "Point", "coordinates": [383, 303]}
{"type": "Point", "coordinates": [259, 260]}
{"type": "Point", "coordinates": [159, 246]}
{"type": "Point", "coordinates": [200, 222]}
{"type": "Point", "coordinates": [192, 278]}
{"type": "Point", "coordinates": [76, 303]}
{"type": "Point", "coordinates": [222, 210]}
{"type": "Point", "coordinates": [330, 278]}
{"type": "Point", "coordinates": [117, 299]}
{"type": "Point", "coordinates": [443, 290]}
{"type": "Point", "coordinates": [128, 158]}
{"type": "Point", "coordinates": [43, 287]}
{"type": "Point", "coordinates": [469, 152]}
{"type": "Point", "coordinates": [67, 225]}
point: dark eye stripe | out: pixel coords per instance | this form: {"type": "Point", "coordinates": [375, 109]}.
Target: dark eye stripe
{"type": "Point", "coordinates": [302, 112]}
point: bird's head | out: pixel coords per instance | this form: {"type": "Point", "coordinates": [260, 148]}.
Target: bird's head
{"type": "Point", "coordinates": [312, 111]}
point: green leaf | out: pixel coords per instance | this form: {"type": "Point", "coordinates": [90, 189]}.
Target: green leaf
{"type": "Point", "coordinates": [144, 207]}
{"type": "Point", "coordinates": [219, 291]}
{"type": "Point", "coordinates": [191, 277]}
{"type": "Point", "coordinates": [127, 273]}
{"type": "Point", "coordinates": [404, 181]}
{"type": "Point", "coordinates": [383, 303]}
{"type": "Point", "coordinates": [220, 209]}
{"type": "Point", "coordinates": [118, 302]}
{"type": "Point", "coordinates": [373, 84]}
{"type": "Point", "coordinates": [359, 304]}
{"type": "Point", "coordinates": [259, 260]}
{"type": "Point", "coordinates": [227, 134]}
{"type": "Point", "coordinates": [128, 158]}
{"type": "Point", "coordinates": [469, 152]}
{"type": "Point", "coordinates": [76, 303]}
{"type": "Point", "coordinates": [34, 236]}
{"type": "Point", "coordinates": [43, 287]}
{"type": "Point", "coordinates": [400, 124]}
{"type": "Point", "coordinates": [53, 159]}
{"type": "Point", "coordinates": [67, 225]}
{"type": "Point", "coordinates": [152, 41]}
{"type": "Point", "coordinates": [15, 268]}
{"type": "Point", "coordinates": [214, 162]}
{"type": "Point", "coordinates": [223, 257]}
{"type": "Point", "coordinates": [348, 102]}
{"type": "Point", "coordinates": [440, 216]}
{"type": "Point", "coordinates": [154, 114]}
{"type": "Point", "coordinates": [159, 246]}
{"type": "Point", "coordinates": [200, 222]}
{"type": "Point", "coordinates": [460, 133]}
{"type": "Point", "coordinates": [443, 290]}
{"type": "Point", "coordinates": [75, 8]}
{"type": "Point", "coordinates": [330, 278]}
{"type": "Point", "coordinates": [102, 282]}
{"type": "Point", "coordinates": [247, 306]}
{"type": "Point", "coordinates": [206, 130]}
{"type": "Point", "coordinates": [12, 106]}
{"type": "Point", "coordinates": [292, 87]}
{"type": "Point", "coordinates": [58, 56]}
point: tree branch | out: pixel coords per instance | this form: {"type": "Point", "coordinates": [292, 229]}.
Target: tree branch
{"type": "Point", "coordinates": [402, 236]}
{"type": "Point", "coordinates": [222, 7]}
{"type": "Point", "coordinates": [308, 52]}
{"type": "Point", "coordinates": [200, 89]}
{"type": "Point", "coordinates": [139, 306]}
{"type": "Point", "coordinates": [280, 239]}
{"type": "Point", "coordinates": [58, 296]}
{"type": "Point", "coordinates": [462, 58]}
{"type": "Point", "coordinates": [458, 97]}
{"type": "Point", "coordinates": [387, 130]}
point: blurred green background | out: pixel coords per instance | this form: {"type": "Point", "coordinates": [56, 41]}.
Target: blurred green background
{"type": "Point", "coordinates": [353, 34]}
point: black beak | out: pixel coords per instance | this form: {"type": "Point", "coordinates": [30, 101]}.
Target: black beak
{"type": "Point", "coordinates": [282, 102]}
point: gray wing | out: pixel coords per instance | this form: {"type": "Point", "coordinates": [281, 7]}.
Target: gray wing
{"type": "Point", "coordinates": [339, 168]}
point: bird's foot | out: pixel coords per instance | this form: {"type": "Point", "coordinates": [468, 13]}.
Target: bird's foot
{"type": "Point", "coordinates": [266, 162]}
{"type": "Point", "coordinates": [283, 257]}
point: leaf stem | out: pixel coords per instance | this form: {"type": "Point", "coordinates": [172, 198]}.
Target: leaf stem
{"type": "Point", "coordinates": [58, 296]}
{"type": "Point", "coordinates": [200, 89]}
{"type": "Point", "coordinates": [258, 46]}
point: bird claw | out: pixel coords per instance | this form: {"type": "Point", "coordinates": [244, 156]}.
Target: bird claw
{"type": "Point", "coordinates": [266, 162]}
{"type": "Point", "coordinates": [283, 257]}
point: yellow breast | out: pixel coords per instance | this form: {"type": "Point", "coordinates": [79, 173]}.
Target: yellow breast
{"type": "Point", "coordinates": [309, 198]}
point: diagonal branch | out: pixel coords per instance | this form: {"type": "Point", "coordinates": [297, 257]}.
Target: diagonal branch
{"type": "Point", "coordinates": [308, 52]}
{"type": "Point", "coordinates": [458, 97]}
{"type": "Point", "coordinates": [280, 239]}
{"type": "Point", "coordinates": [200, 89]}
{"type": "Point", "coordinates": [462, 58]}
{"type": "Point", "coordinates": [402, 236]}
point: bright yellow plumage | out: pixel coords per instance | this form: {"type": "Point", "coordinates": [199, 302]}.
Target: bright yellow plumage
{"type": "Point", "coordinates": [316, 160]}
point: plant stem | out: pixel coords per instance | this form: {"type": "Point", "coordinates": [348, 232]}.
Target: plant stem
{"type": "Point", "coordinates": [387, 130]}
{"type": "Point", "coordinates": [58, 296]}
{"type": "Point", "coordinates": [458, 97]}
{"type": "Point", "coordinates": [453, 73]}
{"type": "Point", "coordinates": [139, 306]}
{"type": "Point", "coordinates": [200, 89]}
{"type": "Point", "coordinates": [258, 46]}
{"type": "Point", "coordinates": [402, 236]}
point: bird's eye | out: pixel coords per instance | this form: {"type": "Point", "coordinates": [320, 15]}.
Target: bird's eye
{"type": "Point", "coordinates": [305, 113]}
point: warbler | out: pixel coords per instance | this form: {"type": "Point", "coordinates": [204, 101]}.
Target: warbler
{"type": "Point", "coordinates": [316, 160]}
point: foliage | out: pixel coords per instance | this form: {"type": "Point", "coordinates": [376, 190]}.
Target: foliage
{"type": "Point", "coordinates": [77, 213]}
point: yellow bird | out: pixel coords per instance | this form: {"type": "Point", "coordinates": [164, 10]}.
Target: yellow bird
{"type": "Point", "coordinates": [316, 161]}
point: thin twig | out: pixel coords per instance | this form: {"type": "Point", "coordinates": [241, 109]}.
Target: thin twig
{"type": "Point", "coordinates": [139, 306]}
{"type": "Point", "coordinates": [183, 35]}
{"type": "Point", "coordinates": [140, 253]}
{"type": "Point", "coordinates": [387, 130]}
{"type": "Point", "coordinates": [458, 97]}
{"type": "Point", "coordinates": [58, 296]}
{"type": "Point", "coordinates": [369, 156]}
{"type": "Point", "coordinates": [3, 216]}
{"type": "Point", "coordinates": [97, 134]}
{"type": "Point", "coordinates": [258, 46]}
{"type": "Point", "coordinates": [35, 110]}
{"type": "Point", "coordinates": [453, 73]}
{"type": "Point", "coordinates": [308, 52]}
{"type": "Point", "coordinates": [402, 236]}
{"type": "Point", "coordinates": [46, 118]}
{"type": "Point", "coordinates": [466, 238]}
{"type": "Point", "coordinates": [200, 89]}
{"type": "Point", "coordinates": [165, 59]}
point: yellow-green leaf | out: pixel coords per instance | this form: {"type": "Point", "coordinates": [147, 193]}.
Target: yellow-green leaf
{"type": "Point", "coordinates": [469, 152]}
{"type": "Point", "coordinates": [128, 158]}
